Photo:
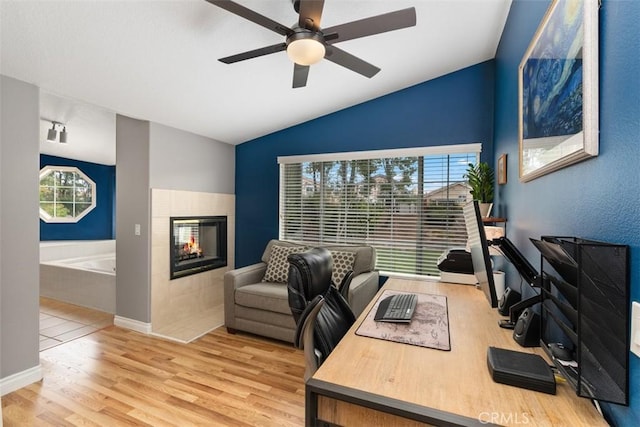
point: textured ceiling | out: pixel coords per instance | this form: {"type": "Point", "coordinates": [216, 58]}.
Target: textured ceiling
{"type": "Point", "coordinates": [157, 60]}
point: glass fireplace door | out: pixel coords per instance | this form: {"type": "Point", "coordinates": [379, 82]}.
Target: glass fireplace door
{"type": "Point", "coordinates": [198, 244]}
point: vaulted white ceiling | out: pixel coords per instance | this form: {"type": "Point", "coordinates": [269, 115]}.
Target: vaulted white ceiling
{"type": "Point", "coordinates": [157, 60]}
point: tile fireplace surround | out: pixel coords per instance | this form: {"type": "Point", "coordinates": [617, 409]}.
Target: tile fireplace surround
{"type": "Point", "coordinates": [186, 308]}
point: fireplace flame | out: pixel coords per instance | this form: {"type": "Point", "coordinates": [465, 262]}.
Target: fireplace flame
{"type": "Point", "coordinates": [191, 247]}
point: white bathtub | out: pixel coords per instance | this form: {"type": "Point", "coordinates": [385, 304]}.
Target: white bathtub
{"type": "Point", "coordinates": [88, 281]}
{"type": "Point", "coordinates": [103, 264]}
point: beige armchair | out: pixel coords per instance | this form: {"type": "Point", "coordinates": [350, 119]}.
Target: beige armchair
{"type": "Point", "coordinates": [262, 307]}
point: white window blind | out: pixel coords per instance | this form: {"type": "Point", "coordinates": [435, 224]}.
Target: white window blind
{"type": "Point", "coordinates": [408, 207]}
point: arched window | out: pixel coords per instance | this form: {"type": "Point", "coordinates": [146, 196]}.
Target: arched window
{"type": "Point", "coordinates": [66, 194]}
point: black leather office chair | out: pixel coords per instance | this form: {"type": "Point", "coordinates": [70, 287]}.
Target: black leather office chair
{"type": "Point", "coordinates": [321, 313]}
{"type": "Point", "coordinates": [344, 286]}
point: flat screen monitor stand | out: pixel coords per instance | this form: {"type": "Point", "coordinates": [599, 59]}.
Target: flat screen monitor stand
{"type": "Point", "coordinates": [517, 309]}
{"type": "Point", "coordinates": [479, 249]}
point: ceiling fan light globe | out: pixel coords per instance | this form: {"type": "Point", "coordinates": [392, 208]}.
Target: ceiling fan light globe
{"type": "Point", "coordinates": [305, 51]}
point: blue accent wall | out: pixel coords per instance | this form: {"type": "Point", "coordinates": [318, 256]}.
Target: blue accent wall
{"type": "Point", "coordinates": [99, 224]}
{"type": "Point", "coordinates": [595, 199]}
{"type": "Point", "coordinates": [600, 197]}
{"type": "Point", "coordinates": [454, 109]}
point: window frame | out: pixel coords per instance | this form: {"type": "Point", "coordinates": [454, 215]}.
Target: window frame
{"type": "Point", "coordinates": [48, 218]}
{"type": "Point", "coordinates": [450, 151]}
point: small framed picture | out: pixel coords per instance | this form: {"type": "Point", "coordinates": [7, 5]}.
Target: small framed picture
{"type": "Point", "coordinates": [502, 169]}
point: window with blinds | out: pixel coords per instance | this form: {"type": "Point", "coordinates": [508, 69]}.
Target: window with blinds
{"type": "Point", "coordinates": [406, 203]}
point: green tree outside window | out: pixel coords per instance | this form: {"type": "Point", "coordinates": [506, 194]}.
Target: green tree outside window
{"type": "Point", "coordinates": [66, 194]}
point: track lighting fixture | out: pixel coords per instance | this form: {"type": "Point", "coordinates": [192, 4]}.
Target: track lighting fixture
{"type": "Point", "coordinates": [63, 135]}
{"type": "Point", "coordinates": [52, 133]}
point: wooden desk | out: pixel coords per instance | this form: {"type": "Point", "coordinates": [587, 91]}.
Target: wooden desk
{"type": "Point", "coordinates": [366, 381]}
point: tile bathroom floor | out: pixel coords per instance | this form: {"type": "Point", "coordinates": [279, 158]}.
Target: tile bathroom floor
{"type": "Point", "coordinates": [61, 322]}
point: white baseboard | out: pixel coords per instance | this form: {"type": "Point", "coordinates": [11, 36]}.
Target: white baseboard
{"type": "Point", "coordinates": [185, 340]}
{"type": "Point", "coordinates": [169, 338]}
{"type": "Point", "coordinates": [134, 325]}
{"type": "Point", "coordinates": [20, 379]}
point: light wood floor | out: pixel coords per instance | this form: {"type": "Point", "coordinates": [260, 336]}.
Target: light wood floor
{"type": "Point", "coordinates": [116, 377]}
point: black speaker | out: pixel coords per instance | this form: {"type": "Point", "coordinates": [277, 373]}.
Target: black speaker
{"type": "Point", "coordinates": [526, 332]}
{"type": "Point", "coordinates": [509, 298]}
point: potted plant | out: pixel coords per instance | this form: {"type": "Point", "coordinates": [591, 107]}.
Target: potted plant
{"type": "Point", "coordinates": [481, 180]}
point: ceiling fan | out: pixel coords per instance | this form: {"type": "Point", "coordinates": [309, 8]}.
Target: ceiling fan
{"type": "Point", "coordinates": [307, 43]}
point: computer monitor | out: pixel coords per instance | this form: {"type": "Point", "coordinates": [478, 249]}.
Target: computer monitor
{"type": "Point", "coordinates": [477, 242]}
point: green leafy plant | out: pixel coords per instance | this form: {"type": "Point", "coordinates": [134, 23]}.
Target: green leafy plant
{"type": "Point", "coordinates": [481, 180]}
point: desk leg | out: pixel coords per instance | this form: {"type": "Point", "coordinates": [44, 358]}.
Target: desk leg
{"type": "Point", "coordinates": [310, 406]}
{"type": "Point", "coordinates": [409, 411]}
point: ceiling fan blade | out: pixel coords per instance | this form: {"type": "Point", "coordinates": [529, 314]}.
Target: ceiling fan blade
{"type": "Point", "coordinates": [300, 74]}
{"type": "Point", "coordinates": [252, 16]}
{"type": "Point", "coordinates": [353, 63]}
{"type": "Point", "coordinates": [310, 14]}
{"type": "Point", "coordinates": [254, 53]}
{"type": "Point", "coordinates": [374, 25]}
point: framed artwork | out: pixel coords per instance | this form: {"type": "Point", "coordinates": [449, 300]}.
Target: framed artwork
{"type": "Point", "coordinates": [502, 169]}
{"type": "Point", "coordinates": [558, 90]}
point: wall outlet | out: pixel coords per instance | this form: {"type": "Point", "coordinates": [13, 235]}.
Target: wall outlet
{"type": "Point", "coordinates": [137, 229]}
{"type": "Point", "coordinates": [635, 329]}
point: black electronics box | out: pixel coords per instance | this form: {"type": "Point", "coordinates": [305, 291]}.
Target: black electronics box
{"type": "Point", "coordinates": [524, 370]}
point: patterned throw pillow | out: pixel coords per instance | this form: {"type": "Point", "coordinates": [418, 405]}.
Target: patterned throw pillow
{"type": "Point", "coordinates": [278, 266]}
{"type": "Point", "coordinates": [342, 264]}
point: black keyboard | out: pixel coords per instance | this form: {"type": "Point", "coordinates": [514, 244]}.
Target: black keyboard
{"type": "Point", "coordinates": [397, 308]}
